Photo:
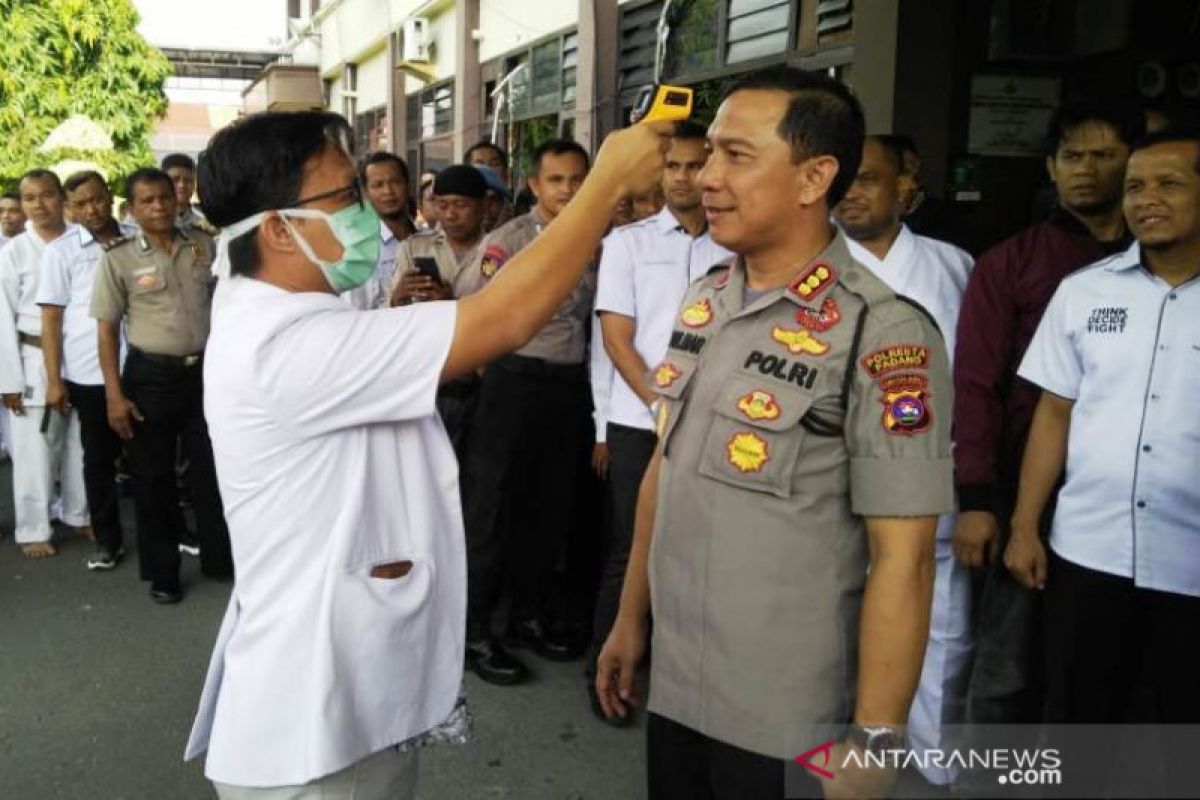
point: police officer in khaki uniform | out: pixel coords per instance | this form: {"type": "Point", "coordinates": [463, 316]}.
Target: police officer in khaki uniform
{"type": "Point", "coordinates": [159, 284]}
{"type": "Point", "coordinates": [530, 443]}
{"type": "Point", "coordinates": [448, 252]}
{"type": "Point", "coordinates": [785, 528]}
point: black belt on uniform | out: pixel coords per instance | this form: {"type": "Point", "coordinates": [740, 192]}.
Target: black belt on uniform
{"type": "Point", "coordinates": [172, 361]}
{"type": "Point", "coordinates": [29, 339]}
{"type": "Point", "coordinates": [541, 368]}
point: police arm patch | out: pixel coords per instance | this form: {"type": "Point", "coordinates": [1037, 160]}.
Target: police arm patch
{"type": "Point", "coordinates": [894, 358]}
{"type": "Point", "coordinates": [494, 256]}
{"type": "Point", "coordinates": [906, 407]}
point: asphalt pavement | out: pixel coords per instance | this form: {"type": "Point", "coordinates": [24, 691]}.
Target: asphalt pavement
{"type": "Point", "coordinates": [98, 687]}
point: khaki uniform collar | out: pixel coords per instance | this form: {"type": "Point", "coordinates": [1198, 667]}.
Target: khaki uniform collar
{"type": "Point", "coordinates": [808, 288]}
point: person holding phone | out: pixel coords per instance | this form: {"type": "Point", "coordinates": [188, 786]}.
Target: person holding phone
{"type": "Point", "coordinates": [432, 265]}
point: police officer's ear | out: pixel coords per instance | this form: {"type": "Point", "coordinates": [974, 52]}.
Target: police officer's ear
{"type": "Point", "coordinates": [816, 176]}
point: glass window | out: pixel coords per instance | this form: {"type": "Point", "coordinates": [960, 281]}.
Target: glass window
{"type": "Point", "coordinates": [436, 154]}
{"type": "Point", "coordinates": [547, 71]}
{"type": "Point", "coordinates": [757, 28]}
{"type": "Point", "coordinates": [437, 110]}
{"type": "Point", "coordinates": [694, 44]}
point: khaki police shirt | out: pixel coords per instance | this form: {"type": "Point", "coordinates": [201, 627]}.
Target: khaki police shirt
{"type": "Point", "coordinates": [564, 339]}
{"type": "Point", "coordinates": [164, 298]}
{"type": "Point", "coordinates": [455, 270]}
{"type": "Point", "coordinates": [784, 424]}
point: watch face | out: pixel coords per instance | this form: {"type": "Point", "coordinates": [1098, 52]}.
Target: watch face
{"type": "Point", "coordinates": [876, 739]}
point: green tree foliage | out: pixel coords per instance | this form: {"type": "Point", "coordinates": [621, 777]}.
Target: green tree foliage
{"type": "Point", "coordinates": [60, 58]}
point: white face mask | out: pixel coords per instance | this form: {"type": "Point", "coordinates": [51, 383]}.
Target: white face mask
{"type": "Point", "coordinates": [356, 227]}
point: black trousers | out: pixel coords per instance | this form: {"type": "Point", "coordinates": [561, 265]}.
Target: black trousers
{"type": "Point", "coordinates": [101, 449]}
{"type": "Point", "coordinates": [1104, 635]}
{"type": "Point", "coordinates": [684, 764]}
{"type": "Point", "coordinates": [456, 404]}
{"type": "Point", "coordinates": [527, 440]}
{"type": "Point", "coordinates": [171, 399]}
{"type": "Point", "coordinates": [1006, 683]}
{"type": "Point", "coordinates": [630, 451]}
{"type": "Point", "coordinates": [1108, 640]}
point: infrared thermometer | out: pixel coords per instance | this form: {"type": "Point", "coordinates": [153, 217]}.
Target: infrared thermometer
{"type": "Point", "coordinates": [660, 102]}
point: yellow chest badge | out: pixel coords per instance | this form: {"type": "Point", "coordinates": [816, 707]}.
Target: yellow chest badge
{"type": "Point", "coordinates": [665, 374]}
{"type": "Point", "coordinates": [759, 405]}
{"type": "Point", "coordinates": [697, 315]}
{"type": "Point", "coordinates": [799, 341]}
{"type": "Point", "coordinates": [747, 452]}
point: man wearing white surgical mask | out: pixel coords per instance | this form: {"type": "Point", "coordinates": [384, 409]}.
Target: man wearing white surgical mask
{"type": "Point", "coordinates": [342, 648]}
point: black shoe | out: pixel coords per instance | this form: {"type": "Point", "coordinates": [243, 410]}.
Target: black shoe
{"type": "Point", "coordinates": [488, 659]}
{"type": "Point", "coordinates": [598, 711]}
{"type": "Point", "coordinates": [105, 558]}
{"type": "Point", "coordinates": [533, 635]}
{"type": "Point", "coordinates": [165, 595]}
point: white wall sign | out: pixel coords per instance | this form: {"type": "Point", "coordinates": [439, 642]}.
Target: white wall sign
{"type": "Point", "coordinates": [1009, 114]}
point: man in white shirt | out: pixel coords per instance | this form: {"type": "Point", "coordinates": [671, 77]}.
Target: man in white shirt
{"type": "Point", "coordinates": [933, 275]}
{"type": "Point", "coordinates": [384, 177]}
{"type": "Point", "coordinates": [12, 219]}
{"type": "Point", "coordinates": [1116, 356]}
{"type": "Point", "coordinates": [645, 269]}
{"type": "Point", "coordinates": [42, 444]}
{"type": "Point", "coordinates": [344, 636]}
{"type": "Point", "coordinates": [74, 382]}
{"type": "Point", "coordinates": [12, 224]}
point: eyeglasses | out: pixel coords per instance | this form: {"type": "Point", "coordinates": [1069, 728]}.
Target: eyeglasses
{"type": "Point", "coordinates": [353, 189]}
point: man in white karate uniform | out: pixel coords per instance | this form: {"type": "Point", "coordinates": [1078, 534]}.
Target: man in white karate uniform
{"type": "Point", "coordinates": [45, 443]}
{"type": "Point", "coordinates": [342, 647]}
{"type": "Point", "coordinates": [933, 275]}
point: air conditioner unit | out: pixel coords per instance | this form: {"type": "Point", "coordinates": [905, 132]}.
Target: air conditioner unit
{"type": "Point", "coordinates": [416, 40]}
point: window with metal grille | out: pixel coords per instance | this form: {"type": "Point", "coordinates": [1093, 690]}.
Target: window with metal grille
{"type": "Point", "coordinates": [570, 61]}
{"type": "Point", "coordinates": [756, 28]}
{"type": "Point", "coordinates": [834, 17]}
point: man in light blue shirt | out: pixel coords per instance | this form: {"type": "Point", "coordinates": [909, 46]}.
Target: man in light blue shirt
{"type": "Point", "coordinates": [1117, 356]}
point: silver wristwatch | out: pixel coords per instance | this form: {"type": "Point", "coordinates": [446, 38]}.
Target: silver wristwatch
{"type": "Point", "coordinates": [875, 739]}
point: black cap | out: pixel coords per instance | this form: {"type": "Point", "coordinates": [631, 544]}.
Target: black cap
{"type": "Point", "coordinates": [460, 179]}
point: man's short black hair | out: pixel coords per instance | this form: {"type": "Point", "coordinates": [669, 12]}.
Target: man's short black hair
{"type": "Point", "coordinates": [1190, 134]}
{"type": "Point", "coordinates": [823, 118]}
{"type": "Point", "coordinates": [1126, 121]}
{"type": "Point", "coordinates": [893, 151]}
{"type": "Point", "coordinates": [78, 179]}
{"type": "Point", "coordinates": [178, 160]}
{"type": "Point", "coordinates": [383, 157]}
{"type": "Point", "coordinates": [42, 175]}
{"type": "Point", "coordinates": [148, 175]}
{"type": "Point", "coordinates": [484, 144]}
{"type": "Point", "coordinates": [558, 147]}
{"type": "Point", "coordinates": [257, 164]}
{"type": "Point", "coordinates": [689, 131]}
{"type": "Point", "coordinates": [10, 196]}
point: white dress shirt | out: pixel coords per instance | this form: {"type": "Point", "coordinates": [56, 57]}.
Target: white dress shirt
{"type": "Point", "coordinates": [374, 293]}
{"type": "Point", "coordinates": [68, 271]}
{"type": "Point", "coordinates": [20, 268]}
{"type": "Point", "coordinates": [1125, 346]}
{"type": "Point", "coordinates": [331, 460]}
{"type": "Point", "coordinates": [645, 269]}
{"type": "Point", "coordinates": [930, 272]}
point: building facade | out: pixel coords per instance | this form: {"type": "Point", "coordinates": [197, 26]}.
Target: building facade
{"type": "Point", "coordinates": [972, 82]}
